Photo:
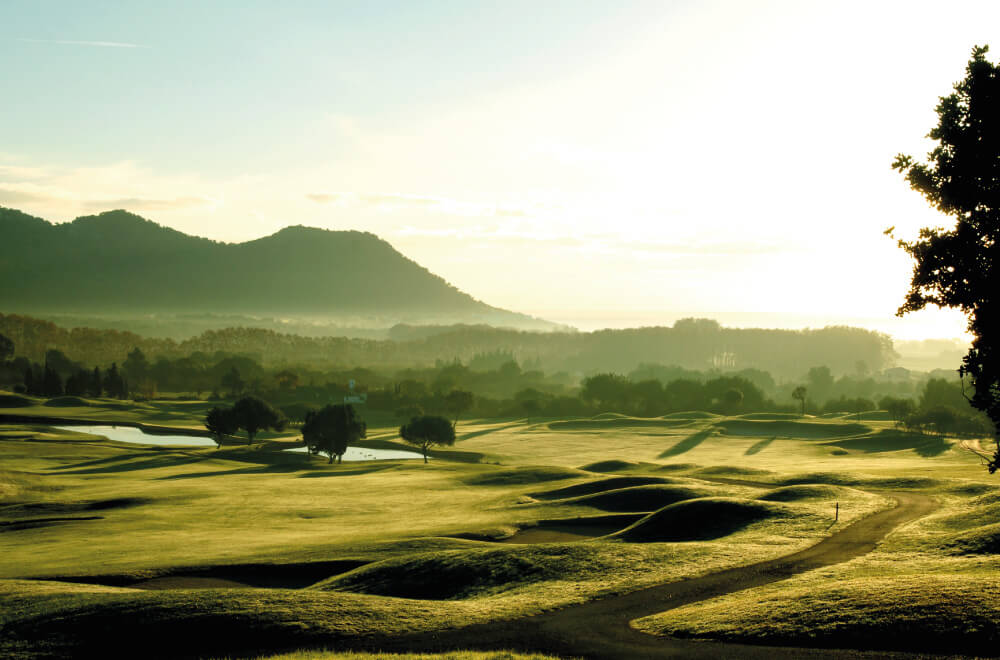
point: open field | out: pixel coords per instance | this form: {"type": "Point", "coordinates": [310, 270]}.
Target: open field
{"type": "Point", "coordinates": [244, 551]}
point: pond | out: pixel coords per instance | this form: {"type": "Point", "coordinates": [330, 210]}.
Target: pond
{"type": "Point", "coordinates": [138, 436]}
{"type": "Point", "coordinates": [366, 454]}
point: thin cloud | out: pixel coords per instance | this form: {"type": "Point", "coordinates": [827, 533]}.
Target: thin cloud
{"type": "Point", "coordinates": [137, 203]}
{"type": "Point", "coordinates": [8, 196]}
{"type": "Point", "coordinates": [74, 42]}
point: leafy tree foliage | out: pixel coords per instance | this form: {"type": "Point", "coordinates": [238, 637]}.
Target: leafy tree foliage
{"type": "Point", "coordinates": [799, 394]}
{"type": "Point", "coordinates": [332, 429]}
{"type": "Point", "coordinates": [254, 415]}
{"type": "Point", "coordinates": [6, 348]}
{"type": "Point", "coordinates": [898, 408]}
{"type": "Point", "coordinates": [458, 401]}
{"type": "Point", "coordinates": [52, 383]}
{"type": "Point", "coordinates": [136, 366]}
{"type": "Point", "coordinates": [221, 422]}
{"type": "Point", "coordinates": [957, 267]}
{"type": "Point", "coordinates": [233, 382]}
{"type": "Point", "coordinates": [428, 431]}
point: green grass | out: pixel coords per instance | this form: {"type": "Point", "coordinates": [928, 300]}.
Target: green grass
{"type": "Point", "coordinates": [155, 512]}
{"type": "Point", "coordinates": [454, 655]}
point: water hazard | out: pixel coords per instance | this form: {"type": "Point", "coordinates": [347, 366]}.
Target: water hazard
{"type": "Point", "coordinates": [137, 436]}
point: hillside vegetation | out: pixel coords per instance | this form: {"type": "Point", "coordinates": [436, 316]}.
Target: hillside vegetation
{"type": "Point", "coordinates": [120, 262]}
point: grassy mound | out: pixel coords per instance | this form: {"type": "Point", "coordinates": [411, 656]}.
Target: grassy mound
{"type": "Point", "coordinates": [15, 401]}
{"type": "Point", "coordinates": [972, 488]}
{"type": "Point", "coordinates": [67, 402]}
{"type": "Point", "coordinates": [453, 575]}
{"type": "Point", "coordinates": [925, 613]}
{"type": "Point", "coordinates": [700, 520]}
{"type": "Point", "coordinates": [841, 479]}
{"type": "Point", "coordinates": [770, 416]}
{"type": "Point", "coordinates": [598, 486]}
{"type": "Point", "coordinates": [797, 493]}
{"type": "Point", "coordinates": [524, 475]}
{"type": "Point", "coordinates": [596, 424]}
{"type": "Point", "coordinates": [727, 471]}
{"type": "Point", "coordinates": [614, 466]}
{"type": "Point", "coordinates": [970, 517]}
{"type": "Point", "coordinates": [690, 414]}
{"type": "Point", "coordinates": [791, 429]}
{"type": "Point", "coordinates": [323, 654]}
{"type": "Point", "coordinates": [639, 498]}
{"type": "Point", "coordinates": [895, 440]}
{"type": "Point", "coordinates": [984, 540]}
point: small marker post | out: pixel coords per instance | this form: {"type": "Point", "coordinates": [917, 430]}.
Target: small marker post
{"type": "Point", "coordinates": [836, 512]}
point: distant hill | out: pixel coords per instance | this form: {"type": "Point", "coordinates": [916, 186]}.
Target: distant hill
{"type": "Point", "coordinates": [117, 263]}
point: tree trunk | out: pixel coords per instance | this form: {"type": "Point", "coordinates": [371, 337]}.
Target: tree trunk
{"type": "Point", "coordinates": [425, 454]}
{"type": "Point", "coordinates": [331, 460]}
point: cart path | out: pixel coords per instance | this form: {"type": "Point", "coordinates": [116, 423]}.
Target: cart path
{"type": "Point", "coordinates": [600, 628]}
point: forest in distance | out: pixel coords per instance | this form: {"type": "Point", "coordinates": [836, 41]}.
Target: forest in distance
{"type": "Point", "coordinates": [491, 383]}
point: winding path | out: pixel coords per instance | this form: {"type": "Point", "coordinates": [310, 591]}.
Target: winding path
{"type": "Point", "coordinates": [600, 629]}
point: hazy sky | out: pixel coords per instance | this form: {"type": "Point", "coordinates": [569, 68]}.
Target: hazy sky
{"type": "Point", "coordinates": [601, 163]}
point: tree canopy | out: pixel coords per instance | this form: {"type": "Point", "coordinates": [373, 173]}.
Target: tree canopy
{"type": "Point", "coordinates": [221, 422]}
{"type": "Point", "coordinates": [332, 429]}
{"type": "Point", "coordinates": [253, 415]}
{"type": "Point", "coordinates": [956, 267]}
{"type": "Point", "coordinates": [428, 431]}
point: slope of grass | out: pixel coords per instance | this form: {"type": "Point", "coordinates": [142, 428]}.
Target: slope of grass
{"type": "Point", "coordinates": [640, 498]}
{"type": "Point", "coordinates": [701, 519]}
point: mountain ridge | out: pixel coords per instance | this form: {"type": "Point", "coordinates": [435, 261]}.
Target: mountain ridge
{"type": "Point", "coordinates": [119, 262]}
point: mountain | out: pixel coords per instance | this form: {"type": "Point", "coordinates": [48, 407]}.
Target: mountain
{"type": "Point", "coordinates": [117, 263]}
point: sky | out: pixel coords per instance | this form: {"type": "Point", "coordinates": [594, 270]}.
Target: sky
{"type": "Point", "coordinates": [602, 164]}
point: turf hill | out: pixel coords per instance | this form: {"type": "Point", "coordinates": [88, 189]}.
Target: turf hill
{"type": "Point", "coordinates": [118, 262]}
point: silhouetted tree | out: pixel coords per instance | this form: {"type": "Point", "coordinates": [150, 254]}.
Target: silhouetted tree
{"type": "Point", "coordinates": [77, 383]}
{"type": "Point", "coordinates": [428, 431]}
{"type": "Point", "coordinates": [254, 415]}
{"type": "Point", "coordinates": [233, 382]}
{"type": "Point", "coordinates": [51, 383]}
{"type": "Point", "coordinates": [957, 267]}
{"type": "Point", "coordinates": [799, 394]}
{"type": "Point", "coordinates": [332, 429]}
{"type": "Point", "coordinates": [114, 384]}
{"type": "Point", "coordinates": [29, 381]}
{"type": "Point", "coordinates": [897, 408]}
{"type": "Point", "coordinates": [221, 422]}
{"type": "Point", "coordinates": [457, 402]}
{"type": "Point", "coordinates": [136, 367]}
{"type": "Point", "coordinates": [731, 400]}
{"type": "Point", "coordinates": [6, 348]}
{"type": "Point", "coordinates": [96, 386]}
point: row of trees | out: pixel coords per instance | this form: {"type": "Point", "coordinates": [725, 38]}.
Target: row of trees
{"type": "Point", "coordinates": [250, 414]}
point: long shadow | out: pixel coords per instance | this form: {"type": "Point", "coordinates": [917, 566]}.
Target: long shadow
{"type": "Point", "coordinates": [687, 444]}
{"type": "Point", "coordinates": [476, 434]}
{"type": "Point", "coordinates": [758, 447]}
{"type": "Point", "coordinates": [283, 468]}
{"type": "Point", "coordinates": [150, 464]}
{"type": "Point", "coordinates": [927, 446]}
{"type": "Point", "coordinates": [346, 473]}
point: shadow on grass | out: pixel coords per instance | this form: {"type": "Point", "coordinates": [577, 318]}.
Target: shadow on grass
{"type": "Point", "coordinates": [927, 446]}
{"type": "Point", "coordinates": [476, 434]}
{"type": "Point", "coordinates": [346, 473]}
{"type": "Point", "coordinates": [259, 469]}
{"type": "Point", "coordinates": [687, 444]}
{"type": "Point", "coordinates": [758, 447]}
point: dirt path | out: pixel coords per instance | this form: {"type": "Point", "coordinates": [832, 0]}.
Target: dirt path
{"type": "Point", "coordinates": [600, 629]}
